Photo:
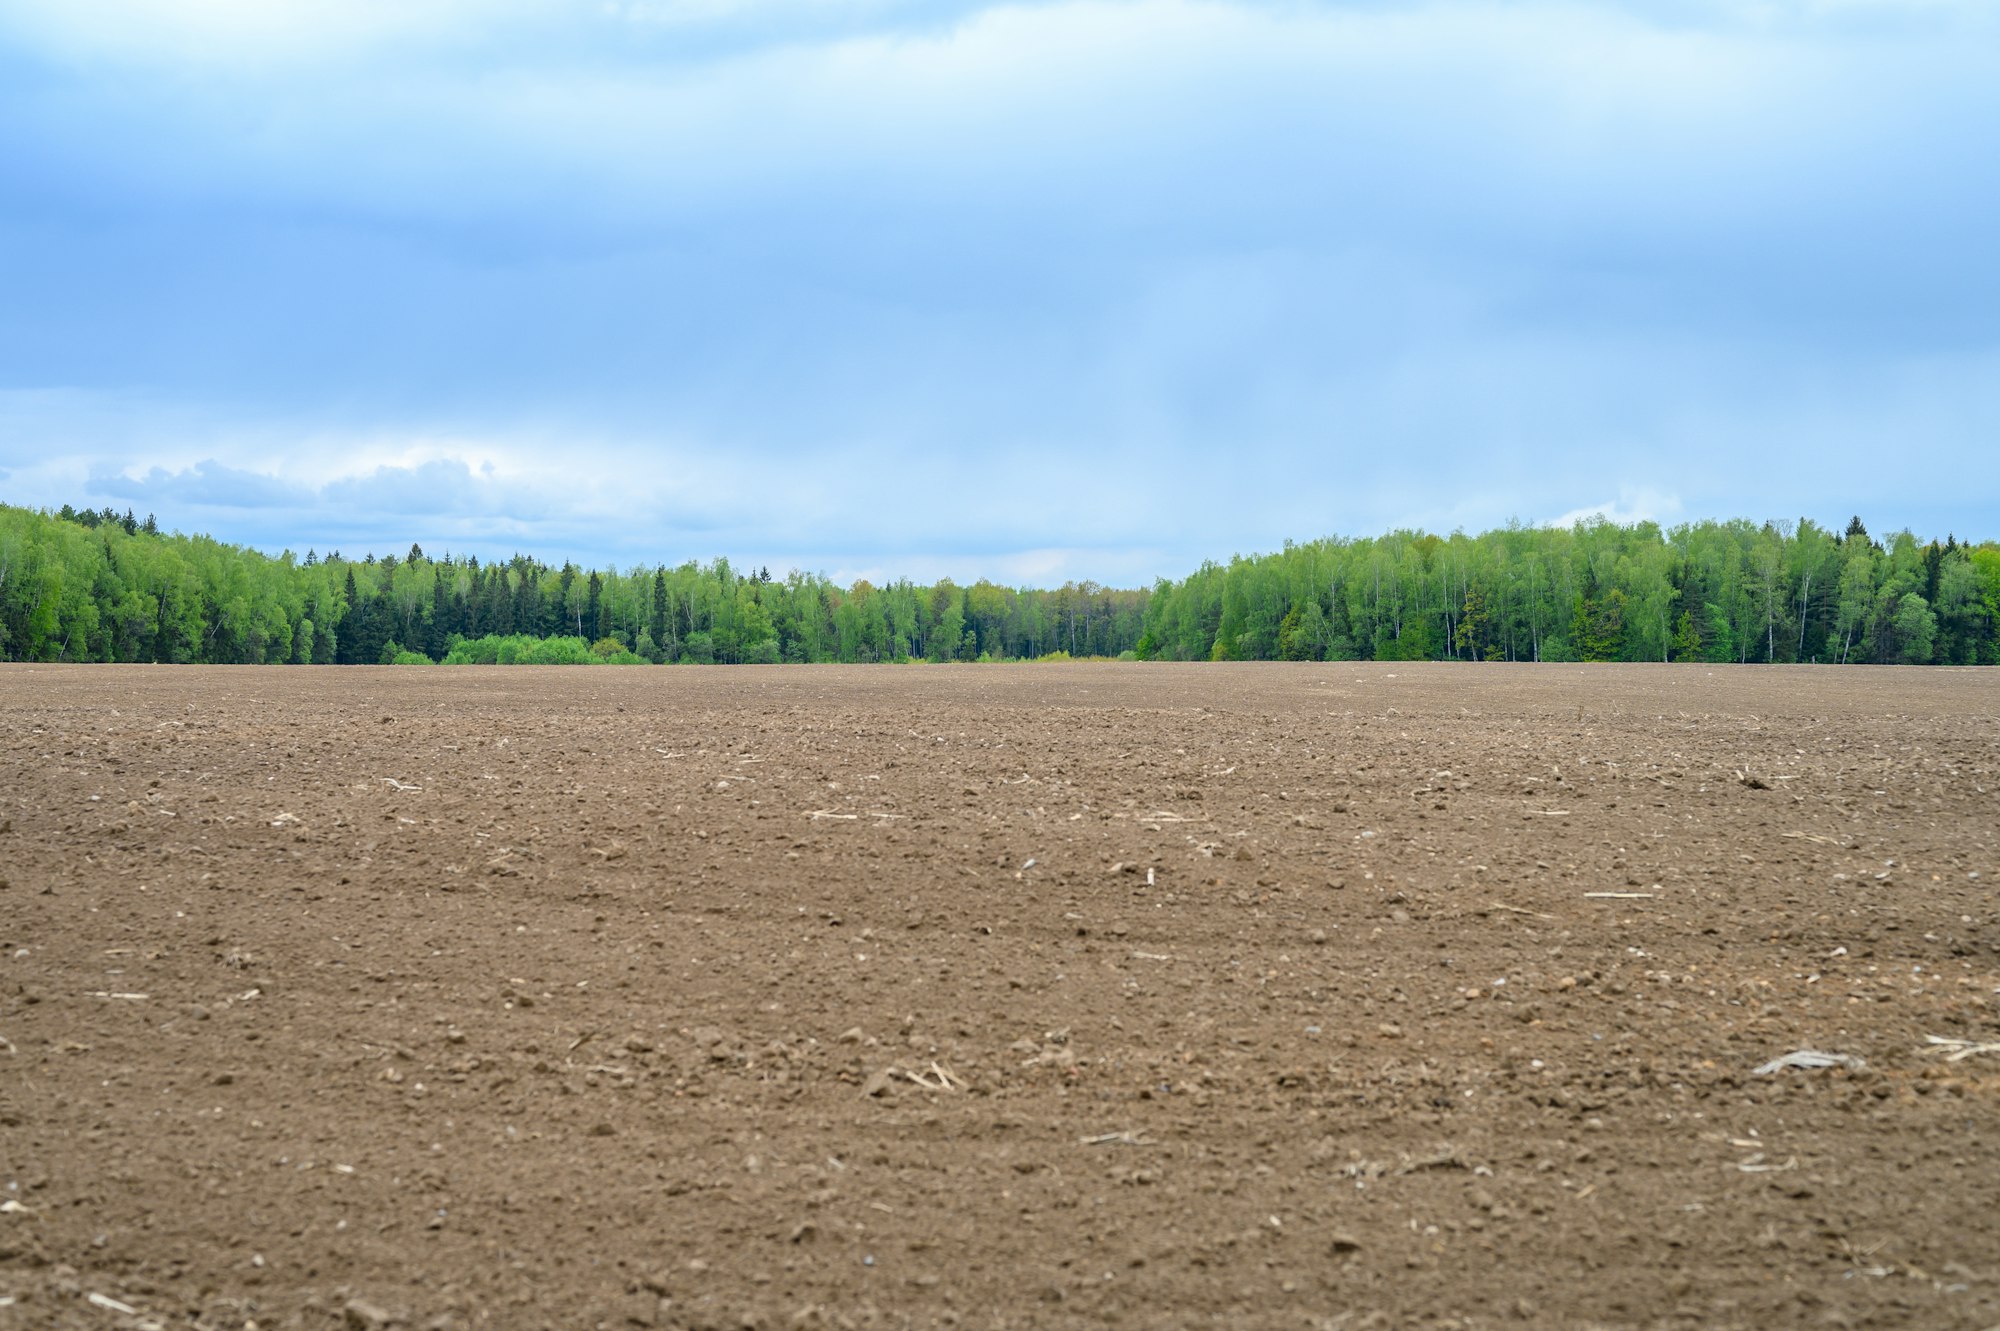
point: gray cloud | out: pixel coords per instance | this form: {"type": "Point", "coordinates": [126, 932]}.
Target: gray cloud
{"type": "Point", "coordinates": [435, 489]}
{"type": "Point", "coordinates": [207, 484]}
{"type": "Point", "coordinates": [1096, 287]}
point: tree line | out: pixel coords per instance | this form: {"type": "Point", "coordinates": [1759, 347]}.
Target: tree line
{"type": "Point", "coordinates": [1706, 591]}
{"type": "Point", "coordinates": [100, 586]}
{"type": "Point", "coordinates": [84, 585]}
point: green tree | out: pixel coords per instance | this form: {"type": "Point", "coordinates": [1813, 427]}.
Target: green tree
{"type": "Point", "coordinates": [1686, 645]}
{"type": "Point", "coordinates": [1473, 636]}
{"type": "Point", "coordinates": [1916, 629]}
{"type": "Point", "coordinates": [1597, 626]}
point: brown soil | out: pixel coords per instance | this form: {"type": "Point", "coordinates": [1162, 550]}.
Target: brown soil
{"type": "Point", "coordinates": [1266, 996]}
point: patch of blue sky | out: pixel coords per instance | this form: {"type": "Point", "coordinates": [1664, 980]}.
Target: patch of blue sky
{"type": "Point", "coordinates": [1090, 289]}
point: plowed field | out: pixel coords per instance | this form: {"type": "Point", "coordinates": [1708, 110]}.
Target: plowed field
{"type": "Point", "coordinates": [1325, 996]}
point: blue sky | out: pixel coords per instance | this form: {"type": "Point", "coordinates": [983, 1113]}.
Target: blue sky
{"type": "Point", "coordinates": [1028, 291]}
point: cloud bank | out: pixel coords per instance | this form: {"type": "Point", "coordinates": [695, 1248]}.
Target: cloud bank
{"type": "Point", "coordinates": [1094, 289]}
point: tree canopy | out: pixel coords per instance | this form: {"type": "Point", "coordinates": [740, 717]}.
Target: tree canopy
{"type": "Point", "coordinates": [1708, 591]}
{"type": "Point", "coordinates": [103, 586]}
{"type": "Point", "coordinates": [98, 586]}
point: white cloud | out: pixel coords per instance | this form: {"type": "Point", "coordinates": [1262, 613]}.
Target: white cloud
{"type": "Point", "coordinates": [1174, 277]}
{"type": "Point", "coordinates": [250, 33]}
{"type": "Point", "coordinates": [246, 33]}
{"type": "Point", "coordinates": [1528, 121]}
{"type": "Point", "coordinates": [682, 14]}
{"type": "Point", "coordinates": [1633, 504]}
{"type": "Point", "coordinates": [1056, 79]}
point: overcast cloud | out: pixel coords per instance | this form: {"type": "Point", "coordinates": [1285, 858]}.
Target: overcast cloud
{"type": "Point", "coordinates": [1068, 289]}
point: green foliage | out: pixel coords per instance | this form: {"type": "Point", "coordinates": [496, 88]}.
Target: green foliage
{"type": "Point", "coordinates": [103, 586]}
{"type": "Point", "coordinates": [1687, 638]}
{"type": "Point", "coordinates": [1416, 639]}
{"type": "Point", "coordinates": [1597, 626]}
{"type": "Point", "coordinates": [90, 586]}
{"type": "Point", "coordinates": [1306, 634]}
{"type": "Point", "coordinates": [1473, 636]}
{"type": "Point", "coordinates": [700, 649]}
{"type": "Point", "coordinates": [1709, 591]}
{"type": "Point", "coordinates": [1985, 563]}
{"type": "Point", "coordinates": [1915, 627]}
{"type": "Point", "coordinates": [520, 649]}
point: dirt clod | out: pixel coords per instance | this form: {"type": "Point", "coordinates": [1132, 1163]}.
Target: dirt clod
{"type": "Point", "coordinates": [361, 1315]}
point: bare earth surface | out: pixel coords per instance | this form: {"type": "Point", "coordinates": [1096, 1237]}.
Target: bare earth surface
{"type": "Point", "coordinates": [1324, 996]}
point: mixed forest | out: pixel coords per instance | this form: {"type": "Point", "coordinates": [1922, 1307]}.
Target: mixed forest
{"type": "Point", "coordinates": [84, 585]}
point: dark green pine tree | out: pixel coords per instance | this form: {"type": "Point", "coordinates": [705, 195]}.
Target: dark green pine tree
{"type": "Point", "coordinates": [437, 634]}
{"type": "Point", "coordinates": [353, 625]}
{"type": "Point", "coordinates": [657, 624]}
{"type": "Point", "coordinates": [527, 605]}
{"type": "Point", "coordinates": [500, 601]}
